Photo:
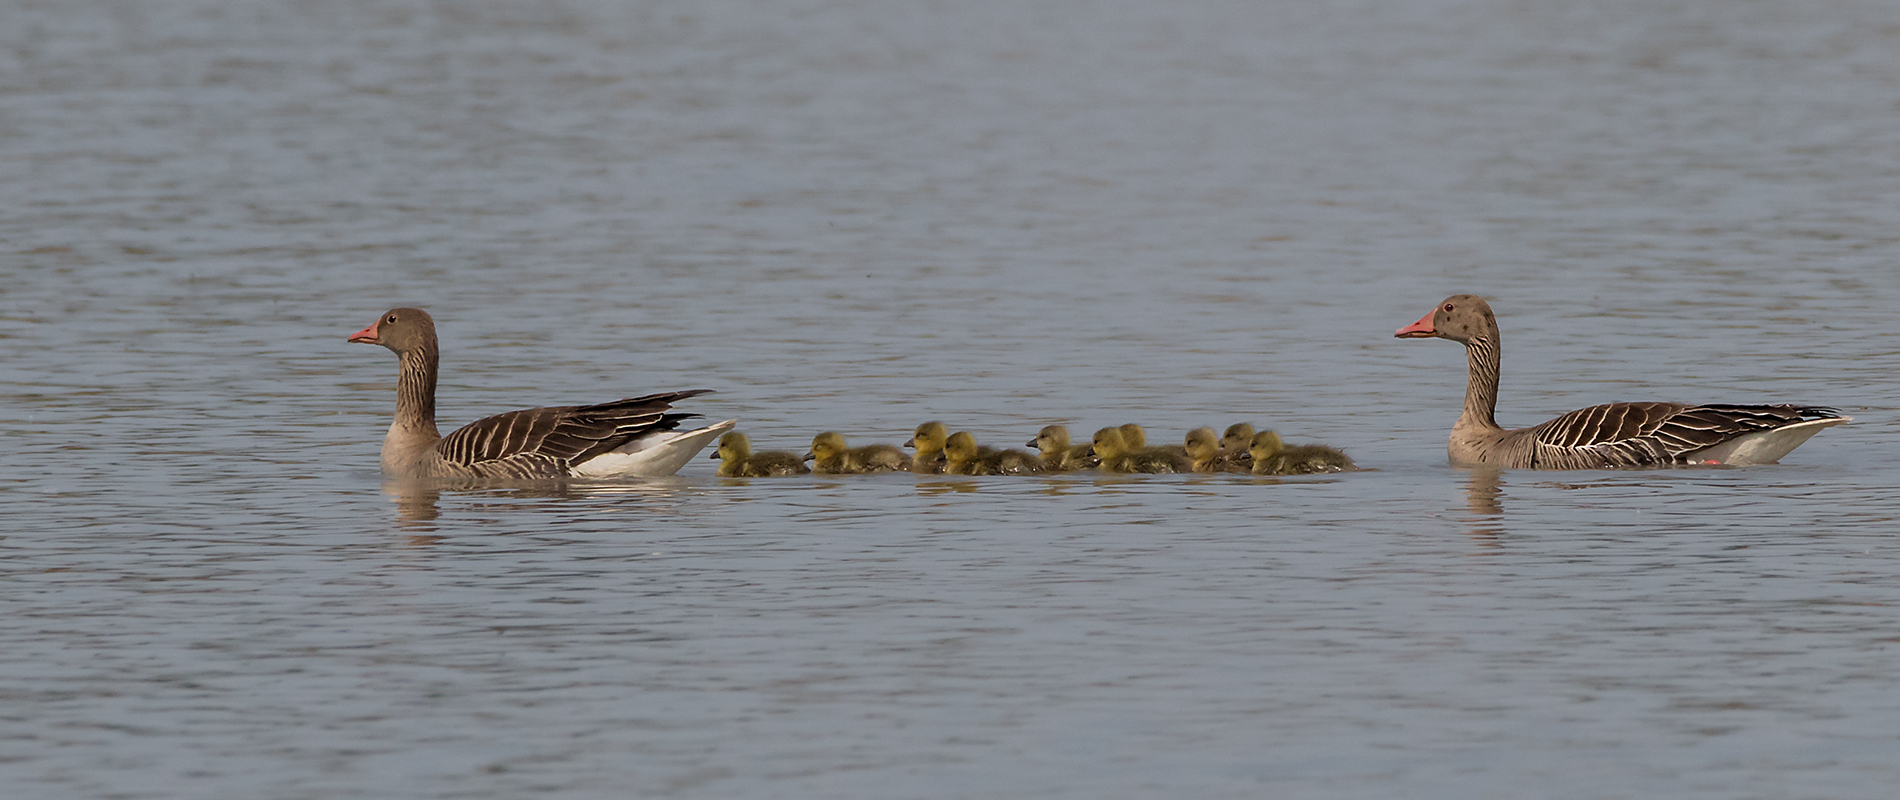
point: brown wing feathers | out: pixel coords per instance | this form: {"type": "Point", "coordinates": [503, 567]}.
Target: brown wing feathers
{"type": "Point", "coordinates": [547, 441]}
{"type": "Point", "coordinates": [1661, 433]}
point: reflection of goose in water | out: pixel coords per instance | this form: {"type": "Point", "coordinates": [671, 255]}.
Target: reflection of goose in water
{"type": "Point", "coordinates": [415, 503]}
{"type": "Point", "coordinates": [1484, 492]}
{"type": "Point", "coordinates": [418, 500]}
{"type": "Point", "coordinates": [1613, 435]}
{"type": "Point", "coordinates": [1484, 496]}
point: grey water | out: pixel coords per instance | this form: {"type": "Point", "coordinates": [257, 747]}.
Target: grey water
{"type": "Point", "coordinates": [863, 215]}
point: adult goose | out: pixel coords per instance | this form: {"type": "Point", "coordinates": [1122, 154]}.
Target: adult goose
{"type": "Point", "coordinates": [635, 437]}
{"type": "Point", "coordinates": [1613, 435]}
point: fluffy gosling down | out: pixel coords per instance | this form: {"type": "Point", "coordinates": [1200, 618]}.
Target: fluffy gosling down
{"type": "Point", "coordinates": [736, 460]}
{"type": "Point", "coordinates": [1111, 446]}
{"type": "Point", "coordinates": [1205, 454]}
{"type": "Point", "coordinates": [1058, 455]}
{"type": "Point", "coordinates": [1137, 439]}
{"type": "Point", "coordinates": [1236, 443]}
{"type": "Point", "coordinates": [1273, 457]}
{"type": "Point", "coordinates": [963, 457]}
{"type": "Point", "coordinates": [830, 456]}
{"type": "Point", "coordinates": [928, 442]}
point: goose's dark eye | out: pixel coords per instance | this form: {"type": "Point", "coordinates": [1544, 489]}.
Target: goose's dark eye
{"type": "Point", "coordinates": [1447, 310]}
{"type": "Point", "coordinates": [392, 317]}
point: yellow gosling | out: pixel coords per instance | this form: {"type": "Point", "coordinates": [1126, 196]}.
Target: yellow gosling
{"type": "Point", "coordinates": [1058, 455]}
{"type": "Point", "coordinates": [830, 456]}
{"type": "Point", "coordinates": [1111, 446]}
{"type": "Point", "coordinates": [736, 460]}
{"type": "Point", "coordinates": [963, 457]}
{"type": "Point", "coordinates": [1234, 444]}
{"type": "Point", "coordinates": [928, 441]}
{"type": "Point", "coordinates": [1273, 457]}
{"type": "Point", "coordinates": [1138, 441]}
{"type": "Point", "coordinates": [1204, 453]}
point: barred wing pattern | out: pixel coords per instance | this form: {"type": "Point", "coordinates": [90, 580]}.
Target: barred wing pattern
{"type": "Point", "coordinates": [1642, 434]}
{"type": "Point", "coordinates": [549, 442]}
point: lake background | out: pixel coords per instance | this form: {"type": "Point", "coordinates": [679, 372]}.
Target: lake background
{"type": "Point", "coordinates": [863, 215]}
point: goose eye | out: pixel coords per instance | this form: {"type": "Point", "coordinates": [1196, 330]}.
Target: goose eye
{"type": "Point", "coordinates": [392, 318]}
{"type": "Point", "coordinates": [1448, 307]}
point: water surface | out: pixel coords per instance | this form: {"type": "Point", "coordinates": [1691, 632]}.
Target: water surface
{"type": "Point", "coordinates": [860, 216]}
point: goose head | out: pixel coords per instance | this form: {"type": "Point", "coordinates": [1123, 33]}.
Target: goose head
{"type": "Point", "coordinates": [400, 330]}
{"type": "Point", "coordinates": [1462, 318]}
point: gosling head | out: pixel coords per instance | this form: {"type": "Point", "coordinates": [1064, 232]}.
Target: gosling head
{"type": "Point", "coordinates": [733, 447]}
{"type": "Point", "coordinates": [826, 446]}
{"type": "Point", "coordinates": [1051, 439]}
{"type": "Point", "coordinates": [1202, 444]}
{"type": "Point", "coordinates": [961, 446]}
{"type": "Point", "coordinates": [1265, 445]}
{"type": "Point", "coordinates": [929, 437]}
{"type": "Point", "coordinates": [1239, 437]}
{"type": "Point", "coordinates": [1109, 443]}
{"type": "Point", "coordinates": [1134, 436]}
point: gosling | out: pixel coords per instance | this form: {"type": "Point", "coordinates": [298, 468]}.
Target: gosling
{"type": "Point", "coordinates": [1137, 440]}
{"type": "Point", "coordinates": [1112, 448]}
{"type": "Point", "coordinates": [1272, 457]}
{"type": "Point", "coordinates": [1057, 454]}
{"type": "Point", "coordinates": [963, 457]}
{"type": "Point", "coordinates": [1204, 453]}
{"type": "Point", "coordinates": [736, 460]}
{"type": "Point", "coordinates": [928, 441]}
{"type": "Point", "coordinates": [830, 456]}
{"type": "Point", "coordinates": [1234, 444]}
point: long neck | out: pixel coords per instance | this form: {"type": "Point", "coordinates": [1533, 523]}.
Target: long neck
{"type": "Point", "coordinates": [415, 391]}
{"type": "Point", "coordinates": [413, 432]}
{"type": "Point", "coordinates": [1481, 389]}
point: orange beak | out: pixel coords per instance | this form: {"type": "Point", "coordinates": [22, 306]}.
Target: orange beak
{"type": "Point", "coordinates": [1417, 330]}
{"type": "Point", "coordinates": [367, 335]}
